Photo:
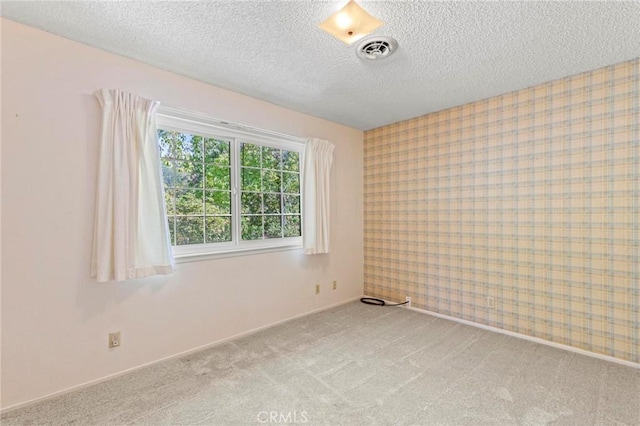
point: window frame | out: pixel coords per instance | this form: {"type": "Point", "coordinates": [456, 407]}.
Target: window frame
{"type": "Point", "coordinates": [195, 123]}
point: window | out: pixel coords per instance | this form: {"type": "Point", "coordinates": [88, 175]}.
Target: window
{"type": "Point", "coordinates": [270, 192]}
{"type": "Point", "coordinates": [228, 188]}
{"type": "Point", "coordinates": [197, 184]}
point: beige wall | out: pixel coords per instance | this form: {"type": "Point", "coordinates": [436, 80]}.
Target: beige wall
{"type": "Point", "coordinates": [55, 319]}
{"type": "Point", "coordinates": [531, 198]}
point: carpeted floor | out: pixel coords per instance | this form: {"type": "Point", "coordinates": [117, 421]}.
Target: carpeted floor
{"type": "Point", "coordinates": [360, 365]}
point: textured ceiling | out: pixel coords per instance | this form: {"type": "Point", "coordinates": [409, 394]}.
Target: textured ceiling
{"type": "Point", "coordinates": [450, 53]}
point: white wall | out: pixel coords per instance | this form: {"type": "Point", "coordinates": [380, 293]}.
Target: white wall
{"type": "Point", "coordinates": [55, 318]}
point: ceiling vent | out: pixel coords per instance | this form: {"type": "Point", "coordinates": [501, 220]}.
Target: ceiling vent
{"type": "Point", "coordinates": [376, 47]}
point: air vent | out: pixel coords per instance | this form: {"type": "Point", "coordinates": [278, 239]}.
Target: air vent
{"type": "Point", "coordinates": [376, 47]}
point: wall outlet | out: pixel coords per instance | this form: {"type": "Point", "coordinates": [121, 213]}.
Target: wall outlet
{"type": "Point", "coordinates": [114, 339]}
{"type": "Point", "coordinates": [335, 285]}
{"type": "Point", "coordinates": [408, 300]}
{"type": "Point", "coordinates": [491, 302]}
{"type": "Point", "coordinates": [317, 288]}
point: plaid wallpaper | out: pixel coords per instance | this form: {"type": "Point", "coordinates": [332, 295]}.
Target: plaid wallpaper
{"type": "Point", "coordinates": [530, 198]}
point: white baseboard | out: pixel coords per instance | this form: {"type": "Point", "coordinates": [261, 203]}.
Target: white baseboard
{"type": "Point", "coordinates": [178, 355]}
{"type": "Point", "coordinates": [524, 337]}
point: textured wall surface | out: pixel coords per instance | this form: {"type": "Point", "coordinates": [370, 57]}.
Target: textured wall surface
{"type": "Point", "coordinates": [531, 198]}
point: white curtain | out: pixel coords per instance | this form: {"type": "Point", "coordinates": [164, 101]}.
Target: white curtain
{"type": "Point", "coordinates": [316, 172]}
{"type": "Point", "coordinates": [131, 235]}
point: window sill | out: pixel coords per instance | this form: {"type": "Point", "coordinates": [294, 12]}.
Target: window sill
{"type": "Point", "coordinates": [185, 256]}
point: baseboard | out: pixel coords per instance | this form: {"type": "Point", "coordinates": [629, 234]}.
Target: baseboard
{"type": "Point", "coordinates": [525, 337]}
{"type": "Point", "coordinates": [178, 355]}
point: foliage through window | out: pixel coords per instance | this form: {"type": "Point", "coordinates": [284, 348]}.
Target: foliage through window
{"type": "Point", "coordinates": [270, 192]}
{"type": "Point", "coordinates": [197, 179]}
{"type": "Point", "coordinates": [228, 190]}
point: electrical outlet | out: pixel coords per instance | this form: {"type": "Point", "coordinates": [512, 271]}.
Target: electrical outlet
{"type": "Point", "coordinates": [114, 339]}
{"type": "Point", "coordinates": [491, 303]}
{"type": "Point", "coordinates": [408, 300]}
{"type": "Point", "coordinates": [335, 285]}
{"type": "Point", "coordinates": [317, 288]}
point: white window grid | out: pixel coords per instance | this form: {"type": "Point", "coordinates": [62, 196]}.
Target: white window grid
{"type": "Point", "coordinates": [197, 124]}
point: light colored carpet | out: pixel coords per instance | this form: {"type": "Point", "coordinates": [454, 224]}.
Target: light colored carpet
{"type": "Point", "coordinates": [360, 365]}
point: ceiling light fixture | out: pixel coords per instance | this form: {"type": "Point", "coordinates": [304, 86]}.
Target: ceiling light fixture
{"type": "Point", "coordinates": [350, 23]}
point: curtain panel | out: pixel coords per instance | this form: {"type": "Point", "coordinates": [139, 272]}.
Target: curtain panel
{"type": "Point", "coordinates": [316, 173]}
{"type": "Point", "coordinates": [131, 235]}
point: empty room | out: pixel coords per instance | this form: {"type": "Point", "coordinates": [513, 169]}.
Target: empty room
{"type": "Point", "coordinates": [320, 212]}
